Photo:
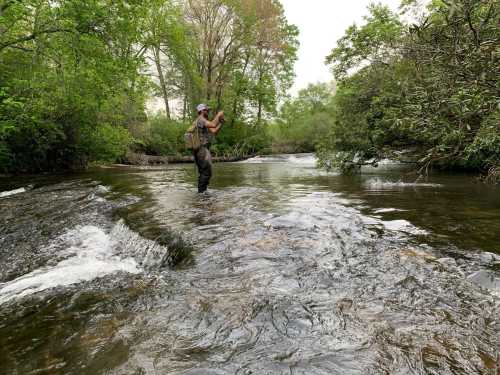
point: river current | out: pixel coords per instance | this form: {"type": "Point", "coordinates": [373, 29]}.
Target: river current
{"type": "Point", "coordinates": [280, 269]}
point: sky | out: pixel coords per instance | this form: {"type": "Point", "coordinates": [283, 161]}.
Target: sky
{"type": "Point", "coordinates": [321, 23]}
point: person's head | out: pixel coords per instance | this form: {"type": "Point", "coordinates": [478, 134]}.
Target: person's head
{"type": "Point", "coordinates": [203, 110]}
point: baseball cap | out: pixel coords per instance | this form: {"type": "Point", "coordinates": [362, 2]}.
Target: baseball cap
{"type": "Point", "coordinates": [201, 107]}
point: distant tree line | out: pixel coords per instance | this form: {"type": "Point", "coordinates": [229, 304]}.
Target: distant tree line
{"type": "Point", "coordinates": [75, 76]}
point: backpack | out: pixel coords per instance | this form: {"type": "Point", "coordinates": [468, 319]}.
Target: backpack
{"type": "Point", "coordinates": [192, 137]}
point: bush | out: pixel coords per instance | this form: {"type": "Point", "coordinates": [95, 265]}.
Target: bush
{"type": "Point", "coordinates": [107, 143]}
{"type": "Point", "coordinates": [166, 137]}
{"type": "Point", "coordinates": [484, 151]}
{"type": "Point", "coordinates": [34, 145]}
{"type": "Point", "coordinates": [239, 139]}
{"type": "Point", "coordinates": [4, 156]}
{"type": "Point", "coordinates": [443, 114]}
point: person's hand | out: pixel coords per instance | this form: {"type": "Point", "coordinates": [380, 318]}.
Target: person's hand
{"type": "Point", "coordinates": [220, 116]}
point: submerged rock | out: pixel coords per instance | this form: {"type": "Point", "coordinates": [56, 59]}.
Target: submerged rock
{"type": "Point", "coordinates": [447, 262]}
{"type": "Point", "coordinates": [486, 279]}
{"type": "Point", "coordinates": [488, 258]}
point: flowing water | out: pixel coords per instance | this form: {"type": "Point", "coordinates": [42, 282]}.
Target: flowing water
{"type": "Point", "coordinates": [280, 269]}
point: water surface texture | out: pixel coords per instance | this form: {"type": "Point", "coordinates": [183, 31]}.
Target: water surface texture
{"type": "Point", "coordinates": [280, 269]}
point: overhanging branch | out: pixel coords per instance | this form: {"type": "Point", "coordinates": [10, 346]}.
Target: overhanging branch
{"type": "Point", "coordinates": [33, 36]}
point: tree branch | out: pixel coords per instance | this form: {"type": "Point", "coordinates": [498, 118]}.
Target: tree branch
{"type": "Point", "coordinates": [472, 28]}
{"type": "Point", "coordinates": [6, 5]}
{"type": "Point", "coordinates": [487, 18]}
{"type": "Point", "coordinates": [33, 36]}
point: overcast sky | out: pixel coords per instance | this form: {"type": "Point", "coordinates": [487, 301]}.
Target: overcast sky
{"type": "Point", "coordinates": [321, 24]}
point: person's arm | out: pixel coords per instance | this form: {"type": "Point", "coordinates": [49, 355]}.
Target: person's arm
{"type": "Point", "coordinates": [215, 125]}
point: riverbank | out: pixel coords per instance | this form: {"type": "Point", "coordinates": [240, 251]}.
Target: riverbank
{"type": "Point", "coordinates": [490, 177]}
{"type": "Point", "coordinates": [151, 160]}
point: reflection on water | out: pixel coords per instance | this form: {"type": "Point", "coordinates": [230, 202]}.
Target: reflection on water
{"type": "Point", "coordinates": [280, 269]}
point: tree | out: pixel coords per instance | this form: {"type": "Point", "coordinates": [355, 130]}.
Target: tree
{"type": "Point", "coordinates": [429, 88]}
{"type": "Point", "coordinates": [303, 121]}
{"type": "Point", "coordinates": [245, 51]}
{"type": "Point", "coordinates": [66, 68]}
{"type": "Point", "coordinates": [75, 76]}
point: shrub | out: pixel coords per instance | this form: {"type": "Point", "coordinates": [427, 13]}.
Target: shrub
{"type": "Point", "coordinates": [166, 137]}
{"type": "Point", "coordinates": [107, 143]}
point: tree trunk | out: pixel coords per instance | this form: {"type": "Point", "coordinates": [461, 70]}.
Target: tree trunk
{"type": "Point", "coordinates": [209, 77]}
{"type": "Point", "coordinates": [184, 107]}
{"type": "Point", "coordinates": [259, 100]}
{"type": "Point", "coordinates": [163, 86]}
{"type": "Point", "coordinates": [259, 112]}
{"type": "Point", "coordinates": [239, 91]}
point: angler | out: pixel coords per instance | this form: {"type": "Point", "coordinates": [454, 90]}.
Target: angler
{"type": "Point", "coordinates": [198, 140]}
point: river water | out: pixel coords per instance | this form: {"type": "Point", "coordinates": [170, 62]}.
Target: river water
{"type": "Point", "coordinates": [280, 269]}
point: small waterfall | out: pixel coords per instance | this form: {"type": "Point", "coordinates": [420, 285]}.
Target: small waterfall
{"type": "Point", "coordinates": [300, 159]}
{"type": "Point", "coordinates": [147, 253]}
{"type": "Point", "coordinates": [88, 252]}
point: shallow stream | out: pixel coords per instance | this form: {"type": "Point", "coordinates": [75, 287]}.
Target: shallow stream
{"type": "Point", "coordinates": [280, 269]}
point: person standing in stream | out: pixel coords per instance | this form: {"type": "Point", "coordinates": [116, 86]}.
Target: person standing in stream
{"type": "Point", "coordinates": [202, 156]}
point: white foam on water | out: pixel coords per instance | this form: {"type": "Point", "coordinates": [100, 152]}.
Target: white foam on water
{"type": "Point", "coordinates": [386, 210]}
{"type": "Point", "coordinates": [402, 226]}
{"type": "Point", "coordinates": [302, 159]}
{"type": "Point", "coordinates": [381, 162]}
{"type": "Point", "coordinates": [388, 162]}
{"type": "Point", "coordinates": [394, 225]}
{"type": "Point", "coordinates": [263, 159]}
{"type": "Point", "coordinates": [12, 192]}
{"type": "Point", "coordinates": [378, 184]}
{"type": "Point", "coordinates": [102, 189]}
{"type": "Point", "coordinates": [91, 255]}
{"type": "Point", "coordinates": [149, 254]}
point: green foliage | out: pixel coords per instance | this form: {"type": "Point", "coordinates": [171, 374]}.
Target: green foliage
{"type": "Point", "coordinates": [303, 121]}
{"type": "Point", "coordinates": [484, 150]}
{"type": "Point", "coordinates": [430, 88]}
{"type": "Point", "coordinates": [244, 65]}
{"type": "Point", "coordinates": [75, 76]}
{"type": "Point", "coordinates": [70, 82]}
{"type": "Point", "coordinates": [166, 137]}
{"type": "Point", "coordinates": [239, 139]}
{"type": "Point", "coordinates": [373, 43]}
{"type": "Point", "coordinates": [36, 145]}
{"type": "Point", "coordinates": [107, 143]}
